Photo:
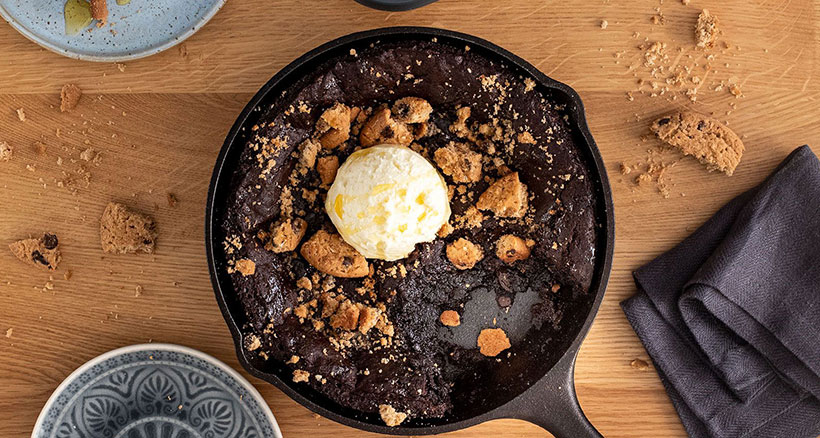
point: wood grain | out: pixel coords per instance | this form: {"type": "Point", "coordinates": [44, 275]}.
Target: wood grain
{"type": "Point", "coordinates": [160, 123]}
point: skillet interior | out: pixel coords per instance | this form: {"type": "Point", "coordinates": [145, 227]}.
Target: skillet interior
{"type": "Point", "coordinates": [485, 389]}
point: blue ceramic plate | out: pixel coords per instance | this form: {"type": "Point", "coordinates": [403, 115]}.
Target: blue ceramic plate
{"type": "Point", "coordinates": [135, 30]}
{"type": "Point", "coordinates": [155, 390]}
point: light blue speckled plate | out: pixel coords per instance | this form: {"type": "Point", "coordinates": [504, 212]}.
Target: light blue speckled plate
{"type": "Point", "coordinates": [155, 390]}
{"type": "Point", "coordinates": [140, 28]}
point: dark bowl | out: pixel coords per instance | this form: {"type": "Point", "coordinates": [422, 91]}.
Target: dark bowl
{"type": "Point", "coordinates": [547, 396]}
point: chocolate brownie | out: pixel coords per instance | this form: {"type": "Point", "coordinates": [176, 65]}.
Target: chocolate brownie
{"type": "Point", "coordinates": [365, 332]}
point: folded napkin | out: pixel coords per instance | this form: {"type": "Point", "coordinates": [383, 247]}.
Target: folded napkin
{"type": "Point", "coordinates": [731, 316]}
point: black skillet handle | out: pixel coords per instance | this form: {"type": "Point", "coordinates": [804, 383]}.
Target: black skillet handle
{"type": "Point", "coordinates": [552, 404]}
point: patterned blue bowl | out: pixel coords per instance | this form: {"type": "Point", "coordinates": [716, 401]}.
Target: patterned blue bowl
{"type": "Point", "coordinates": [138, 29]}
{"type": "Point", "coordinates": [155, 390]}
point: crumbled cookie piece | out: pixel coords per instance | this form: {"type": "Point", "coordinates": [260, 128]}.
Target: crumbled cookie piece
{"type": "Point", "coordinates": [124, 231]}
{"type": "Point", "coordinates": [412, 110]}
{"type": "Point", "coordinates": [511, 249]}
{"type": "Point", "coordinates": [390, 416]}
{"type": "Point", "coordinates": [304, 283]}
{"type": "Point", "coordinates": [252, 342]}
{"type": "Point", "coordinates": [346, 316]}
{"type": "Point", "coordinates": [69, 97]}
{"type": "Point", "coordinates": [706, 30]}
{"type": "Point", "coordinates": [381, 128]}
{"type": "Point", "coordinates": [330, 254]}
{"type": "Point", "coordinates": [334, 126]}
{"type": "Point", "coordinates": [21, 114]}
{"type": "Point", "coordinates": [506, 197]}
{"type": "Point", "coordinates": [492, 341]}
{"type": "Point", "coordinates": [368, 318]}
{"type": "Point", "coordinates": [172, 199]}
{"type": "Point", "coordinates": [459, 127]}
{"type": "Point", "coordinates": [5, 151]}
{"type": "Point", "coordinates": [300, 376]}
{"type": "Point", "coordinates": [702, 137]}
{"type": "Point", "coordinates": [245, 267]}
{"type": "Point", "coordinates": [459, 162]}
{"type": "Point", "coordinates": [307, 159]}
{"type": "Point", "coordinates": [99, 11]}
{"type": "Point", "coordinates": [526, 138]}
{"type": "Point", "coordinates": [43, 252]}
{"type": "Point", "coordinates": [293, 359]}
{"type": "Point", "coordinates": [450, 318]}
{"type": "Point", "coordinates": [286, 234]}
{"type": "Point", "coordinates": [327, 167]}
{"type": "Point", "coordinates": [445, 230]}
{"type": "Point", "coordinates": [464, 254]}
{"type": "Point", "coordinates": [88, 154]}
{"type": "Point", "coordinates": [639, 364]}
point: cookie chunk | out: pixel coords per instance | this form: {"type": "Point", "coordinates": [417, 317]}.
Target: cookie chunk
{"type": "Point", "coordinates": [511, 249]}
{"type": "Point", "coordinates": [381, 128]}
{"type": "Point", "coordinates": [43, 252]}
{"type": "Point", "coordinates": [99, 11]}
{"type": "Point", "coordinates": [391, 416]}
{"type": "Point", "coordinates": [69, 97]}
{"type": "Point", "coordinates": [5, 151]}
{"type": "Point", "coordinates": [346, 316]}
{"type": "Point", "coordinates": [492, 341]}
{"type": "Point", "coordinates": [464, 254]}
{"type": "Point", "coordinates": [307, 158]}
{"type": "Point", "coordinates": [412, 110]}
{"type": "Point", "coordinates": [506, 197]}
{"type": "Point", "coordinates": [706, 30]}
{"type": "Point", "coordinates": [330, 254]}
{"type": "Point", "coordinates": [702, 137]}
{"type": "Point", "coordinates": [300, 376]}
{"type": "Point", "coordinates": [333, 126]}
{"type": "Point", "coordinates": [124, 231]}
{"type": "Point", "coordinates": [459, 162]}
{"type": "Point", "coordinates": [450, 318]}
{"type": "Point", "coordinates": [245, 267]}
{"type": "Point", "coordinates": [286, 234]}
{"type": "Point", "coordinates": [327, 167]}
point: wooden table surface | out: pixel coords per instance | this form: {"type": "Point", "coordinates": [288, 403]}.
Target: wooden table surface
{"type": "Point", "coordinates": [159, 125]}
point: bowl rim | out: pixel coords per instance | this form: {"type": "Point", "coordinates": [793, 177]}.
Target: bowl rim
{"type": "Point", "coordinates": [141, 53]}
{"type": "Point", "coordinates": [156, 347]}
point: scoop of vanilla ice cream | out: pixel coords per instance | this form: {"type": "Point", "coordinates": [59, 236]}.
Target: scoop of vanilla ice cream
{"type": "Point", "coordinates": [386, 199]}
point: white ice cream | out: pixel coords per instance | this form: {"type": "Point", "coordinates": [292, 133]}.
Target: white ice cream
{"type": "Point", "coordinates": [386, 199]}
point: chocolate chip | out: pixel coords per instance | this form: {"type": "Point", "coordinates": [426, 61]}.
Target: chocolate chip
{"type": "Point", "coordinates": [347, 261]}
{"type": "Point", "coordinates": [38, 257]}
{"type": "Point", "coordinates": [664, 121]}
{"type": "Point", "coordinates": [49, 241]}
{"type": "Point", "coordinates": [701, 125]}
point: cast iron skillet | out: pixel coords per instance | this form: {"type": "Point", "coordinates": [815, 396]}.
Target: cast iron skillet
{"type": "Point", "coordinates": [540, 391]}
{"type": "Point", "coordinates": [395, 5]}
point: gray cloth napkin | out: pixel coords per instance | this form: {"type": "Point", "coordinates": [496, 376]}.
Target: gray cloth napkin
{"type": "Point", "coordinates": [731, 316]}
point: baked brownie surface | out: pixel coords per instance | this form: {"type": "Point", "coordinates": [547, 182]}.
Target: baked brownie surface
{"type": "Point", "coordinates": [410, 362]}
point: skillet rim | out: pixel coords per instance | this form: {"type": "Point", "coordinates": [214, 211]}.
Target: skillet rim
{"type": "Point", "coordinates": [596, 168]}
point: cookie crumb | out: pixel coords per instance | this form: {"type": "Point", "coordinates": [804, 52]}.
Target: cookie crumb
{"type": "Point", "coordinates": [506, 197]}
{"type": "Point", "coordinates": [300, 376]}
{"type": "Point", "coordinates": [329, 253]}
{"type": "Point", "coordinates": [464, 254]}
{"type": "Point", "coordinates": [459, 162]}
{"type": "Point", "coordinates": [138, 291]}
{"type": "Point", "coordinates": [286, 234]}
{"type": "Point", "coordinates": [69, 97]}
{"type": "Point", "coordinates": [67, 275]}
{"type": "Point", "coordinates": [333, 126]}
{"type": "Point", "coordinates": [382, 128]}
{"type": "Point", "coordinates": [492, 341]}
{"type": "Point", "coordinates": [639, 364]}
{"type": "Point", "coordinates": [123, 231]}
{"type": "Point", "coordinates": [9, 332]}
{"type": "Point", "coordinates": [6, 151]}
{"type": "Point", "coordinates": [450, 318]}
{"type": "Point", "coordinates": [445, 230]}
{"type": "Point", "coordinates": [706, 30]}
{"type": "Point", "coordinates": [21, 114]}
{"type": "Point", "coordinates": [412, 110]}
{"type": "Point", "coordinates": [252, 342]}
{"type": "Point", "coordinates": [172, 200]}
{"type": "Point", "coordinates": [511, 248]}
{"type": "Point", "coordinates": [304, 283]}
{"type": "Point", "coordinates": [293, 359]}
{"type": "Point", "coordinates": [99, 11]}
{"type": "Point", "coordinates": [390, 416]}
{"type": "Point", "coordinates": [246, 267]}
{"type": "Point", "coordinates": [604, 24]}
{"type": "Point", "coordinates": [327, 168]}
